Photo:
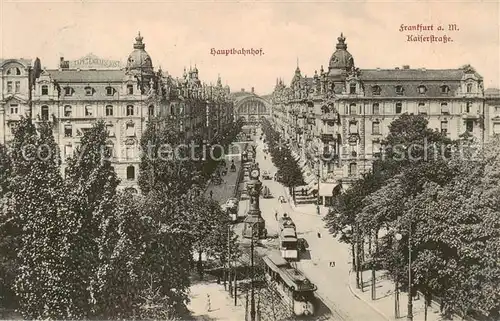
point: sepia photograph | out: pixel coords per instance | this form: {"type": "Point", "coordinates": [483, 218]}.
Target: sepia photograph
{"type": "Point", "coordinates": [247, 160]}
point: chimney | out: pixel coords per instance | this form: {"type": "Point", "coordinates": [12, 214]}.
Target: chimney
{"type": "Point", "coordinates": [397, 68]}
{"type": "Point", "coordinates": [252, 90]}
{"type": "Point", "coordinates": [423, 69]}
{"type": "Point", "coordinates": [406, 66]}
{"type": "Point", "coordinates": [242, 90]}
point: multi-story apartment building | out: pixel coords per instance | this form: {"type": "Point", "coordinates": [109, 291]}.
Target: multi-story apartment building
{"type": "Point", "coordinates": [336, 119]}
{"type": "Point", "coordinates": [15, 99]}
{"type": "Point", "coordinates": [81, 92]}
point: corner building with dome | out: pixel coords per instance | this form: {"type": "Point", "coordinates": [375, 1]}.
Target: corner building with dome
{"type": "Point", "coordinates": [81, 92]}
{"type": "Point", "coordinates": [335, 120]}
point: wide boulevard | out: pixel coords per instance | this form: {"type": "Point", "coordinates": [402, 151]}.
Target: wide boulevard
{"type": "Point", "coordinates": [332, 281]}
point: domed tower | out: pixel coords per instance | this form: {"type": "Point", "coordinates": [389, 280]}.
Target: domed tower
{"type": "Point", "coordinates": [139, 62]}
{"type": "Point", "coordinates": [341, 59]}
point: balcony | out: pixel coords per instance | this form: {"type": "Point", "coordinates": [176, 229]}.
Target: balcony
{"type": "Point", "coordinates": [329, 116]}
{"type": "Point", "coordinates": [326, 138]}
{"type": "Point", "coordinates": [470, 115]}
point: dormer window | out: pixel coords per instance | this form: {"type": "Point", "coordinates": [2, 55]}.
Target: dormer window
{"type": "Point", "coordinates": [469, 88]}
{"type": "Point", "coordinates": [68, 91]}
{"type": "Point", "coordinates": [352, 89]}
{"type": "Point", "coordinates": [399, 90]}
{"type": "Point", "coordinates": [130, 89]}
{"type": "Point", "coordinates": [110, 91]}
{"type": "Point", "coordinates": [45, 90]}
{"type": "Point", "coordinates": [422, 89]}
{"type": "Point", "coordinates": [89, 91]}
{"type": "Point", "coordinates": [445, 89]}
{"type": "Point", "coordinates": [376, 90]}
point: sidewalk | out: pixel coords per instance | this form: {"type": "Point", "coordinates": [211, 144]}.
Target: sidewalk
{"type": "Point", "coordinates": [221, 304]}
{"type": "Point", "coordinates": [225, 190]}
{"type": "Point", "coordinates": [384, 303]}
{"type": "Point", "coordinates": [308, 209]}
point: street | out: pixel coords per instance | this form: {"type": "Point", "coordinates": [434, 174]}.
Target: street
{"type": "Point", "coordinates": [332, 282]}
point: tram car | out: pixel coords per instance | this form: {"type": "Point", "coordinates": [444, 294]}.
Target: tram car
{"type": "Point", "coordinates": [296, 290]}
{"type": "Point", "coordinates": [288, 238]}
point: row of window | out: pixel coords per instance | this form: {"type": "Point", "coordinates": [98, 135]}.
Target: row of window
{"type": "Point", "coordinates": [130, 172]}
{"type": "Point", "coordinates": [16, 88]}
{"type": "Point", "coordinates": [377, 90]}
{"type": "Point", "coordinates": [14, 71]}
{"type": "Point", "coordinates": [353, 109]}
{"type": "Point", "coordinates": [89, 91]}
{"type": "Point", "coordinates": [89, 111]}
{"type": "Point", "coordinates": [129, 130]}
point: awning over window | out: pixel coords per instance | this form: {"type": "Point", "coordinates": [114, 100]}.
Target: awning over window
{"type": "Point", "coordinates": [326, 189]}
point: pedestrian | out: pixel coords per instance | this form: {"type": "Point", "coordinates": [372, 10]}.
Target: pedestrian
{"type": "Point", "coordinates": [319, 235]}
{"type": "Point", "coordinates": [209, 305]}
{"type": "Point", "coordinates": [303, 192]}
{"type": "Point", "coordinates": [276, 215]}
{"type": "Point", "coordinates": [211, 194]}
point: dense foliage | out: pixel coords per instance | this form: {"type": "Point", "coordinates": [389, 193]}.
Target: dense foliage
{"type": "Point", "coordinates": [288, 168]}
{"type": "Point", "coordinates": [77, 247]}
{"type": "Point", "coordinates": [447, 198]}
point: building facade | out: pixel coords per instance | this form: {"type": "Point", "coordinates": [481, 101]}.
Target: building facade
{"type": "Point", "coordinates": [15, 99]}
{"type": "Point", "coordinates": [335, 120]}
{"type": "Point", "coordinates": [77, 94]}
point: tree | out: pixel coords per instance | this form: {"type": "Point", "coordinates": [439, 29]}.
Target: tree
{"type": "Point", "coordinates": [9, 233]}
{"type": "Point", "coordinates": [44, 283]}
{"type": "Point", "coordinates": [91, 183]}
{"type": "Point", "coordinates": [166, 159]}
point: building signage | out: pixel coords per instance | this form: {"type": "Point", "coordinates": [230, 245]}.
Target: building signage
{"type": "Point", "coordinates": [93, 62]}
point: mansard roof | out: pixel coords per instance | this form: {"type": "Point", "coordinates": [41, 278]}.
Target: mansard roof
{"type": "Point", "coordinates": [86, 76]}
{"type": "Point", "coordinates": [412, 74]}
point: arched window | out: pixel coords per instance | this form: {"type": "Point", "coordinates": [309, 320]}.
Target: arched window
{"type": "Point", "coordinates": [130, 172]}
{"type": "Point", "coordinates": [151, 111]}
{"type": "Point", "coordinates": [422, 89]}
{"type": "Point", "coordinates": [399, 90]}
{"type": "Point", "coordinates": [109, 110]}
{"type": "Point", "coordinates": [469, 88]}
{"type": "Point", "coordinates": [353, 169]}
{"type": "Point", "coordinates": [45, 113]}
{"type": "Point", "coordinates": [130, 89]}
{"type": "Point", "coordinates": [376, 90]}
{"type": "Point", "coordinates": [399, 108]}
{"type": "Point", "coordinates": [352, 89]}
{"type": "Point", "coordinates": [376, 109]}
{"type": "Point", "coordinates": [353, 109]}
{"type": "Point", "coordinates": [421, 108]}
{"type": "Point", "coordinates": [67, 111]}
{"type": "Point", "coordinates": [89, 91]}
{"type": "Point", "coordinates": [45, 90]}
{"type": "Point", "coordinates": [445, 89]}
{"type": "Point", "coordinates": [130, 110]}
{"type": "Point", "coordinates": [18, 71]}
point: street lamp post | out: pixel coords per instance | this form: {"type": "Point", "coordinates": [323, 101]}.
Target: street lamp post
{"type": "Point", "coordinates": [318, 176]}
{"type": "Point", "coordinates": [396, 286]}
{"type": "Point", "coordinates": [409, 316]}
{"type": "Point", "coordinates": [252, 295]}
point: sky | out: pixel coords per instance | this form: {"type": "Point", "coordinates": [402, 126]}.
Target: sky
{"type": "Point", "coordinates": [181, 34]}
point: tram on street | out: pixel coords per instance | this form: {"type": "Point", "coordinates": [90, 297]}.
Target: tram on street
{"type": "Point", "coordinates": [288, 238]}
{"type": "Point", "coordinates": [297, 291]}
